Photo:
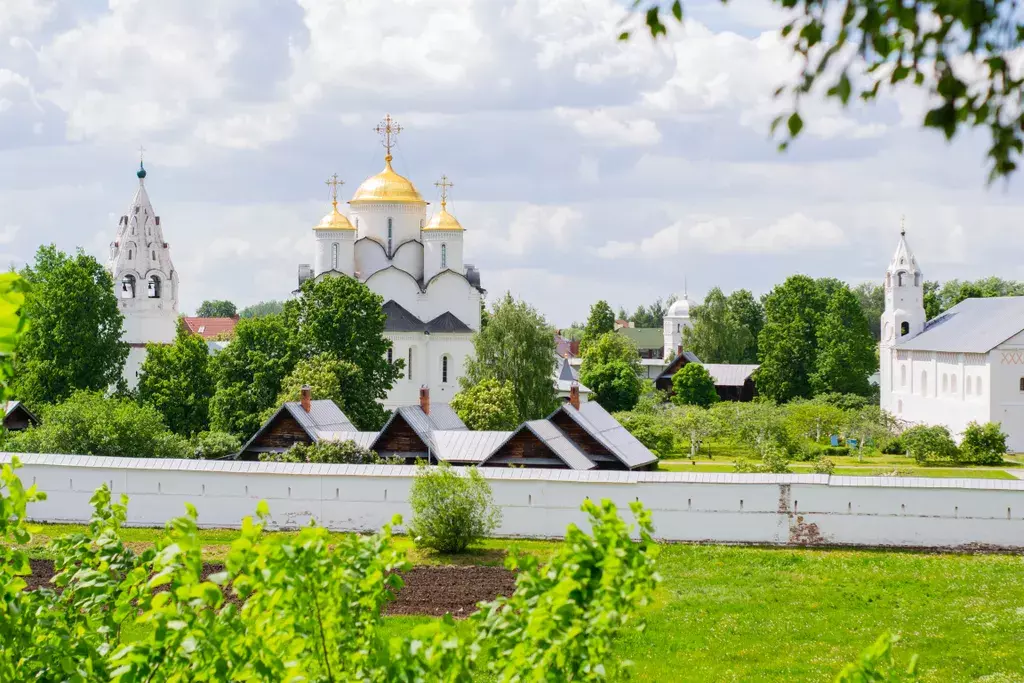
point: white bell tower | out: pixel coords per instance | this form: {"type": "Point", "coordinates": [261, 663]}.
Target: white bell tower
{"type": "Point", "coordinates": [145, 281]}
{"type": "Point", "coordinates": [903, 317]}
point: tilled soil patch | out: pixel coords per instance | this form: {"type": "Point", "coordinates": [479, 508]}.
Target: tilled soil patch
{"type": "Point", "coordinates": [430, 591]}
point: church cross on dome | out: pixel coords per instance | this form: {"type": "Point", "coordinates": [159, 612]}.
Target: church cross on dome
{"type": "Point", "coordinates": [388, 129]}
{"type": "Point", "coordinates": [444, 184]}
{"type": "Point", "coordinates": [333, 182]}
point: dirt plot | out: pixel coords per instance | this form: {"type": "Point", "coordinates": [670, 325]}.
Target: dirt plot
{"type": "Point", "coordinates": [431, 591]}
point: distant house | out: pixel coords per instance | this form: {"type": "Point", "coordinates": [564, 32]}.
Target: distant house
{"type": "Point", "coordinates": [304, 421]}
{"type": "Point", "coordinates": [565, 376]}
{"type": "Point", "coordinates": [210, 328]}
{"type": "Point", "coordinates": [18, 417]}
{"type": "Point", "coordinates": [409, 432]}
{"type": "Point", "coordinates": [732, 382]}
{"type": "Point", "coordinates": [650, 341]}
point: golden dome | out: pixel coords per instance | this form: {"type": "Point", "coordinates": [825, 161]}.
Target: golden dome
{"type": "Point", "coordinates": [387, 186]}
{"type": "Point", "coordinates": [335, 220]}
{"type": "Point", "coordinates": [442, 220]}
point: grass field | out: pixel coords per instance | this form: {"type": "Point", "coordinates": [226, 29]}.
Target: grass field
{"type": "Point", "coordinates": [727, 613]}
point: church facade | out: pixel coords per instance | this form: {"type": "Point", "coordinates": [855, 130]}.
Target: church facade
{"type": "Point", "coordinates": [432, 298]}
{"type": "Point", "coordinates": [145, 281]}
{"type": "Point", "coordinates": [965, 365]}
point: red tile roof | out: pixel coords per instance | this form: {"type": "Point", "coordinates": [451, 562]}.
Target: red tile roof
{"type": "Point", "coordinates": [209, 328]}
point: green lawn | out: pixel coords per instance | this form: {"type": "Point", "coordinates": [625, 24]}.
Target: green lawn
{"type": "Point", "coordinates": [728, 613]}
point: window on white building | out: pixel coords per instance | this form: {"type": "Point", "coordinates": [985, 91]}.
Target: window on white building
{"type": "Point", "coordinates": [899, 279]}
{"type": "Point", "coordinates": [334, 256]}
{"type": "Point", "coordinates": [154, 287]}
{"type": "Point", "coordinates": [128, 287]}
{"type": "Point", "coordinates": [945, 383]}
{"type": "Point", "coordinates": [408, 366]}
{"type": "Point", "coordinates": [977, 386]}
{"type": "Point", "coordinates": [967, 385]}
{"type": "Point", "coordinates": [899, 406]}
{"type": "Point", "coordinates": [952, 383]}
{"type": "Point", "coordinates": [1022, 383]}
{"type": "Point", "coordinates": [444, 256]}
{"type": "Point", "coordinates": [924, 382]}
{"type": "Point", "coordinates": [904, 328]}
{"type": "Point", "coordinates": [390, 234]}
{"type": "Point", "coordinates": [444, 369]}
{"type": "Point", "coordinates": [154, 255]}
{"type": "Point", "coordinates": [903, 375]}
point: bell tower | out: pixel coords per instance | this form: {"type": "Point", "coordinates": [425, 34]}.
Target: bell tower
{"type": "Point", "coordinates": [903, 317]}
{"type": "Point", "coordinates": [145, 281]}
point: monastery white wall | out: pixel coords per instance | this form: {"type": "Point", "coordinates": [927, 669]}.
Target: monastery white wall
{"type": "Point", "coordinates": [773, 509]}
{"type": "Point", "coordinates": [1007, 365]}
{"type": "Point", "coordinates": [427, 354]}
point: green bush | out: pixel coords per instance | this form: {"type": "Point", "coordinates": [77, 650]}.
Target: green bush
{"type": "Point", "coordinates": [892, 446]}
{"type": "Point", "coordinates": [335, 452]}
{"type": "Point", "coordinates": [452, 509]}
{"type": "Point", "coordinates": [823, 465]}
{"type": "Point", "coordinates": [808, 451]}
{"type": "Point", "coordinates": [208, 445]}
{"type": "Point", "coordinates": [930, 443]}
{"type": "Point", "coordinates": [652, 430]}
{"type": "Point", "coordinates": [694, 386]}
{"type": "Point", "coordinates": [773, 462]}
{"type": "Point", "coordinates": [838, 451]}
{"type": "Point", "coordinates": [984, 444]}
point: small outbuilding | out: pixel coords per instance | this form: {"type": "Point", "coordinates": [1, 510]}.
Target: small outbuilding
{"type": "Point", "coordinates": [17, 417]}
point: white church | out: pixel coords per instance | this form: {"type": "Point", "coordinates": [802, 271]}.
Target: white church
{"type": "Point", "coordinates": [432, 298]}
{"type": "Point", "coordinates": [965, 365]}
{"type": "Point", "coordinates": [145, 281]}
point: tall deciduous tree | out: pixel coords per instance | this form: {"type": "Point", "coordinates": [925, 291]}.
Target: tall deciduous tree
{"type": "Point", "coordinates": [218, 308]}
{"type": "Point", "coordinates": [847, 354]}
{"type": "Point", "coordinates": [694, 386]}
{"type": "Point", "coordinates": [249, 373]}
{"type": "Point", "coordinates": [176, 380]}
{"type": "Point", "coordinates": [871, 297]}
{"type": "Point", "coordinates": [787, 346]}
{"type": "Point", "coordinates": [74, 340]}
{"type": "Point", "coordinates": [749, 313]}
{"type": "Point", "coordinates": [600, 321]}
{"type": "Point", "coordinates": [261, 309]}
{"type": "Point", "coordinates": [717, 335]}
{"type": "Point", "coordinates": [329, 377]}
{"type": "Point", "coordinates": [342, 317]}
{"type": "Point", "coordinates": [487, 406]}
{"type": "Point", "coordinates": [517, 346]}
{"type": "Point", "coordinates": [611, 370]}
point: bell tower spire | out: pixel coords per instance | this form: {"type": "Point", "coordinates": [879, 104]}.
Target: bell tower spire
{"type": "Point", "coordinates": [903, 317]}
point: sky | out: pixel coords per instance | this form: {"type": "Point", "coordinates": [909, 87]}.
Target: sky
{"type": "Point", "coordinates": [583, 167]}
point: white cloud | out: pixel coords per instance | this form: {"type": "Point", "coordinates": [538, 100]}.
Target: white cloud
{"type": "Point", "coordinates": [525, 229]}
{"type": "Point", "coordinates": [8, 233]}
{"type": "Point", "coordinates": [24, 15]}
{"type": "Point", "coordinates": [610, 127]}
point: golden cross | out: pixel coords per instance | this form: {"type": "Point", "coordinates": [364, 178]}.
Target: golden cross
{"type": "Point", "coordinates": [333, 182]}
{"type": "Point", "coordinates": [444, 184]}
{"type": "Point", "coordinates": [389, 130]}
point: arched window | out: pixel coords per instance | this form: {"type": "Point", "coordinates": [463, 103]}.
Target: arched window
{"type": "Point", "coordinates": [390, 360]}
{"type": "Point", "coordinates": [967, 385]}
{"type": "Point", "coordinates": [128, 287]}
{"type": "Point", "coordinates": [899, 406]}
{"type": "Point", "coordinates": [888, 279]}
{"type": "Point", "coordinates": [334, 256]}
{"type": "Point", "coordinates": [924, 382]}
{"type": "Point", "coordinates": [977, 386]}
{"type": "Point", "coordinates": [917, 279]}
{"type": "Point", "coordinates": [154, 287]}
{"type": "Point", "coordinates": [129, 254]}
{"type": "Point", "coordinates": [408, 366]}
{"type": "Point", "coordinates": [899, 278]}
{"type": "Point", "coordinates": [945, 383]}
{"type": "Point", "coordinates": [153, 254]}
{"type": "Point", "coordinates": [903, 375]}
{"type": "Point", "coordinates": [390, 234]}
{"type": "Point", "coordinates": [444, 256]}
{"type": "Point", "coordinates": [904, 328]}
{"type": "Point", "coordinates": [952, 383]}
{"type": "Point", "coordinates": [444, 369]}
{"type": "Point", "coordinates": [1022, 383]}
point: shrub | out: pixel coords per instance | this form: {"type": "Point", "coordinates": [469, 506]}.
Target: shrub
{"type": "Point", "coordinates": [984, 444]}
{"type": "Point", "coordinates": [207, 445]}
{"type": "Point", "coordinates": [451, 510]}
{"type": "Point", "coordinates": [823, 465]}
{"type": "Point", "coordinates": [693, 385]}
{"type": "Point", "coordinates": [892, 446]}
{"type": "Point", "coordinates": [836, 450]}
{"type": "Point", "coordinates": [773, 462]}
{"type": "Point", "coordinates": [926, 443]}
{"type": "Point", "coordinates": [808, 451]}
{"type": "Point", "coordinates": [488, 405]}
{"type": "Point", "coordinates": [652, 430]}
{"type": "Point", "coordinates": [335, 452]}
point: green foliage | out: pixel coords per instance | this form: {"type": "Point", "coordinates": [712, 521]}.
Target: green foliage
{"type": "Point", "coordinates": [12, 325]}
{"type": "Point", "coordinates": [601, 321]}
{"type": "Point", "coordinates": [823, 465]}
{"type": "Point", "coordinates": [694, 386]}
{"type": "Point", "coordinates": [342, 317]}
{"type": "Point", "coordinates": [74, 341]}
{"type": "Point", "coordinates": [718, 335]}
{"type": "Point", "coordinates": [209, 445]}
{"type": "Point", "coordinates": [984, 444]}
{"type": "Point", "coordinates": [815, 419]}
{"type": "Point", "coordinates": [218, 308]}
{"type": "Point", "coordinates": [961, 56]}
{"type": "Point", "coordinates": [651, 315]}
{"type": "Point", "coordinates": [774, 461]}
{"type": "Point", "coordinates": [611, 370]}
{"type": "Point", "coordinates": [337, 452]}
{"type": "Point", "coordinates": [517, 346]}
{"type": "Point", "coordinates": [749, 314]}
{"type": "Point", "coordinates": [330, 378]}
{"type": "Point", "coordinates": [452, 509]}
{"type": "Point", "coordinates": [652, 430]}
{"type": "Point", "coordinates": [846, 351]}
{"type": "Point", "coordinates": [697, 424]}
{"type": "Point", "coordinates": [176, 380]}
{"type": "Point", "coordinates": [487, 406]}
{"type": "Point", "coordinates": [928, 443]}
{"type": "Point", "coordinates": [953, 292]}
{"type": "Point", "coordinates": [877, 664]}
{"type": "Point", "coordinates": [249, 374]}
{"type": "Point", "coordinates": [88, 423]}
{"type": "Point", "coordinates": [871, 298]}
{"type": "Point", "coordinates": [787, 345]}
{"type": "Point", "coordinates": [759, 424]}
{"type": "Point", "coordinates": [261, 309]}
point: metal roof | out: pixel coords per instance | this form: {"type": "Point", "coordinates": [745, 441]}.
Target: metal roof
{"type": "Point", "coordinates": [466, 446]}
{"type": "Point", "coordinates": [972, 326]}
{"type": "Point", "coordinates": [597, 422]}
{"type": "Point", "coordinates": [364, 439]}
{"type": "Point", "coordinates": [644, 337]}
{"type": "Point", "coordinates": [446, 322]}
{"type": "Point", "coordinates": [729, 375]}
{"type": "Point", "coordinates": [399, 319]}
{"type": "Point", "coordinates": [565, 449]}
{"type": "Point", "coordinates": [323, 414]}
{"type": "Point", "coordinates": [441, 418]}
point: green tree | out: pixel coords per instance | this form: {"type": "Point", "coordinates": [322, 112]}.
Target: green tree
{"type": "Point", "coordinates": [74, 341]}
{"type": "Point", "coordinates": [787, 345]}
{"type": "Point", "coordinates": [749, 314]}
{"type": "Point", "coordinates": [815, 419]}
{"type": "Point", "coordinates": [717, 335]}
{"type": "Point", "coordinates": [333, 379]}
{"type": "Point", "coordinates": [601, 321]}
{"type": "Point", "coordinates": [218, 308]}
{"type": "Point", "coordinates": [653, 314]}
{"type": "Point", "coordinates": [88, 423]}
{"type": "Point", "coordinates": [209, 445]}
{"type": "Point", "coordinates": [984, 444]}
{"type": "Point", "coordinates": [261, 309]}
{"type": "Point", "coordinates": [176, 380]}
{"type": "Point", "coordinates": [12, 325]}
{"type": "Point", "coordinates": [698, 424]}
{"type": "Point", "coordinates": [249, 372]}
{"type": "Point", "coordinates": [342, 317]}
{"type": "Point", "coordinates": [487, 406]}
{"type": "Point", "coordinates": [760, 425]}
{"type": "Point", "coordinates": [650, 429]}
{"type": "Point", "coordinates": [336, 452]}
{"type": "Point", "coordinates": [611, 370]}
{"type": "Point", "coordinates": [694, 386]}
{"type": "Point", "coordinates": [868, 47]}
{"type": "Point", "coordinates": [871, 297]}
{"type": "Point", "coordinates": [518, 346]}
{"type": "Point", "coordinates": [925, 443]}
{"type": "Point", "coordinates": [451, 509]}
{"type": "Point", "coordinates": [846, 351]}
{"type": "Point", "coordinates": [932, 301]}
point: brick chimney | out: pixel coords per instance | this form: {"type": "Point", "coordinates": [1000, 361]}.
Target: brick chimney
{"type": "Point", "coordinates": [425, 399]}
{"type": "Point", "coordinates": [574, 395]}
{"type": "Point", "coordinates": [307, 395]}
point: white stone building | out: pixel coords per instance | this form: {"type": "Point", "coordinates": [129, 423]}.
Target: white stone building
{"type": "Point", "coordinates": [965, 365]}
{"type": "Point", "coordinates": [677, 318]}
{"type": "Point", "coordinates": [431, 297]}
{"type": "Point", "coordinates": [145, 281]}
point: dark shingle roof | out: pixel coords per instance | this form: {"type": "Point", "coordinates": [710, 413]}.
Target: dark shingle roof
{"type": "Point", "coordinates": [446, 322]}
{"type": "Point", "coordinates": [597, 422]}
{"type": "Point", "coordinates": [401, 320]}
